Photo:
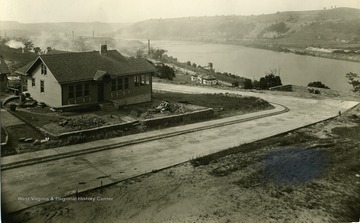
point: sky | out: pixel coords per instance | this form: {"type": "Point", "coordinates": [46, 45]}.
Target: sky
{"type": "Point", "coordinates": [128, 11]}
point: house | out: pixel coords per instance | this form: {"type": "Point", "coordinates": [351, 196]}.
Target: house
{"type": "Point", "coordinates": [4, 71]}
{"type": "Point", "coordinates": [194, 77]}
{"type": "Point", "coordinates": [86, 78]}
{"type": "Point", "coordinates": [209, 80]}
{"type": "Point", "coordinates": [204, 79]}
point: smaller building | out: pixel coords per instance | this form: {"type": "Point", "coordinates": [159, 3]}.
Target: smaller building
{"type": "Point", "coordinates": [209, 80]}
{"type": "Point", "coordinates": [204, 79]}
{"type": "Point", "coordinates": [4, 71]}
{"type": "Point", "coordinates": [194, 77]}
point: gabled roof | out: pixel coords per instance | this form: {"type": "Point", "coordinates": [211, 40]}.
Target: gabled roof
{"type": "Point", "coordinates": [4, 69]}
{"type": "Point", "coordinates": [208, 77]}
{"type": "Point", "coordinates": [75, 67]}
{"type": "Point", "coordinates": [23, 69]}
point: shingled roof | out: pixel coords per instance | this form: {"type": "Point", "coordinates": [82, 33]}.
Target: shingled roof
{"type": "Point", "coordinates": [75, 67]}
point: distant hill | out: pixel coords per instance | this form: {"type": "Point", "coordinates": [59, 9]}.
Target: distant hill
{"type": "Point", "coordinates": [297, 28]}
{"type": "Point", "coordinates": [12, 28]}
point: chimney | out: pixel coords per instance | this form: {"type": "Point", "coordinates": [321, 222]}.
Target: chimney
{"type": "Point", "coordinates": [149, 50]}
{"type": "Point", "coordinates": [210, 66]}
{"type": "Point", "coordinates": [103, 49]}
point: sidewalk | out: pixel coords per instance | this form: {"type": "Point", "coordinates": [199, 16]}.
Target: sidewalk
{"type": "Point", "coordinates": [113, 143]}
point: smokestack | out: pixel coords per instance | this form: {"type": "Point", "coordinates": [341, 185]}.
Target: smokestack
{"type": "Point", "coordinates": [103, 49]}
{"type": "Point", "coordinates": [93, 33]}
{"type": "Point", "coordinates": [149, 52]}
{"type": "Point", "coordinates": [211, 66]}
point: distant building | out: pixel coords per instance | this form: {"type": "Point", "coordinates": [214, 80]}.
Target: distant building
{"type": "Point", "coordinates": [71, 79]}
{"type": "Point", "coordinates": [4, 71]}
{"type": "Point", "coordinates": [209, 80]}
{"type": "Point", "coordinates": [204, 79]}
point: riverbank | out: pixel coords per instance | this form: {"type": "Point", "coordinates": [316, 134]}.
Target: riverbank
{"type": "Point", "coordinates": [338, 54]}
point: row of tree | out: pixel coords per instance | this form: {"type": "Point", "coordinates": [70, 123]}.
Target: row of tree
{"type": "Point", "coordinates": [271, 79]}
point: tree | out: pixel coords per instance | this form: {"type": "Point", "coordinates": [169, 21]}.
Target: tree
{"type": "Point", "coordinates": [158, 54]}
{"type": "Point", "coordinates": [263, 83]}
{"type": "Point", "coordinates": [139, 53]}
{"type": "Point", "coordinates": [188, 63]}
{"type": "Point", "coordinates": [165, 72]}
{"type": "Point", "coordinates": [28, 45]}
{"type": "Point", "coordinates": [248, 84]}
{"type": "Point", "coordinates": [235, 84]}
{"type": "Point", "coordinates": [354, 80]}
{"type": "Point", "coordinates": [318, 84]}
{"type": "Point", "coordinates": [194, 65]}
{"type": "Point", "coordinates": [270, 80]}
{"type": "Point", "coordinates": [256, 84]}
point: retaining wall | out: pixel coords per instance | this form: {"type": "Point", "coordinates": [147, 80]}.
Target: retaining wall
{"type": "Point", "coordinates": [199, 115]}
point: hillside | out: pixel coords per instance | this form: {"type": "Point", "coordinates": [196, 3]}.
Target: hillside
{"type": "Point", "coordinates": [12, 28]}
{"type": "Point", "coordinates": [299, 29]}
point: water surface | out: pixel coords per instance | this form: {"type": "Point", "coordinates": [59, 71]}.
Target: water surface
{"type": "Point", "coordinates": [254, 63]}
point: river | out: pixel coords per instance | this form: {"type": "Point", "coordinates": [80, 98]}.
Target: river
{"type": "Point", "coordinates": [255, 63]}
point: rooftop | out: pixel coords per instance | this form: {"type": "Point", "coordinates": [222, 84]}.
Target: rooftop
{"type": "Point", "coordinates": [73, 67]}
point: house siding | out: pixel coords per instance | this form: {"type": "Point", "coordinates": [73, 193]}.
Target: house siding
{"type": "Point", "coordinates": [52, 89]}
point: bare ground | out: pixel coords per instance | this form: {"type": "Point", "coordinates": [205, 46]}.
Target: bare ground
{"type": "Point", "coordinates": [310, 175]}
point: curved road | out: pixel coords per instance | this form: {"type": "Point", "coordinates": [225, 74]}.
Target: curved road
{"type": "Point", "coordinates": [65, 176]}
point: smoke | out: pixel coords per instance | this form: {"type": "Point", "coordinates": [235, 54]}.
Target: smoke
{"type": "Point", "coordinates": [67, 42]}
{"type": "Point", "coordinates": [59, 41]}
{"type": "Point", "coordinates": [14, 44]}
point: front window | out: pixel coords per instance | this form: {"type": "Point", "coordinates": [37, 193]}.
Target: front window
{"type": "Point", "coordinates": [113, 85]}
{"type": "Point", "coordinates": [43, 69]}
{"type": "Point", "coordinates": [71, 91]}
{"type": "Point", "coordinates": [126, 83]}
{"type": "Point", "coordinates": [137, 81]}
{"type": "Point", "coordinates": [33, 82]}
{"type": "Point", "coordinates": [42, 86]}
{"type": "Point", "coordinates": [79, 90]}
{"type": "Point", "coordinates": [120, 84]}
{"type": "Point", "coordinates": [86, 89]}
{"type": "Point", "coordinates": [143, 79]}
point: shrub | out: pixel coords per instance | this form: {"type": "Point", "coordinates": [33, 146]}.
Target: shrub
{"type": "Point", "coordinates": [165, 72]}
{"type": "Point", "coordinates": [248, 84]}
{"type": "Point", "coordinates": [313, 91]}
{"type": "Point", "coordinates": [318, 84]}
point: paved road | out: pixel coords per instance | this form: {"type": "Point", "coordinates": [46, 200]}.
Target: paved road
{"type": "Point", "coordinates": [65, 176]}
